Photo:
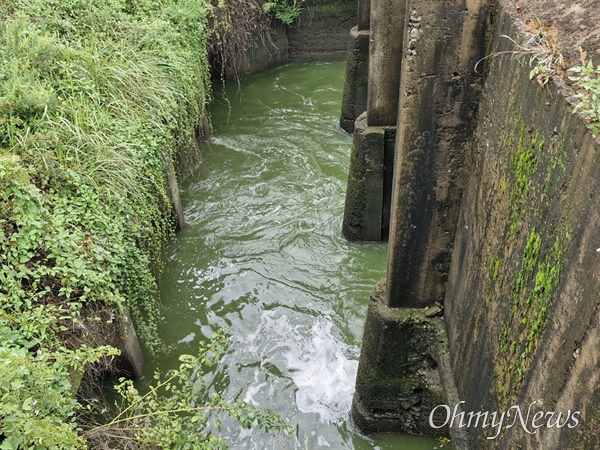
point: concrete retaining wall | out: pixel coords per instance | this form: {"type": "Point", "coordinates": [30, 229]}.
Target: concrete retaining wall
{"type": "Point", "coordinates": [522, 301]}
{"type": "Point", "coordinates": [263, 55]}
{"type": "Point", "coordinates": [321, 31]}
{"type": "Point", "coordinates": [495, 217]}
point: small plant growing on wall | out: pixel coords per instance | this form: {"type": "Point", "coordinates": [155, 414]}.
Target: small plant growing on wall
{"type": "Point", "coordinates": [587, 81]}
{"type": "Point", "coordinates": [283, 10]}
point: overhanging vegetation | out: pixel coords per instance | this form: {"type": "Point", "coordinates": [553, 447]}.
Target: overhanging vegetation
{"type": "Point", "coordinates": [95, 98]}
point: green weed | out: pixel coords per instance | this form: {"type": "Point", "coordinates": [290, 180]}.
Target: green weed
{"type": "Point", "coordinates": [283, 10]}
{"type": "Point", "coordinates": [177, 411]}
{"type": "Point", "coordinates": [588, 97]}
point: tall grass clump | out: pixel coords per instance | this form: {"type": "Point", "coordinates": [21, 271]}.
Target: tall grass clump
{"type": "Point", "coordinates": [95, 99]}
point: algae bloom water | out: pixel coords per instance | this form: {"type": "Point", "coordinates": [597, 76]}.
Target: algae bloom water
{"type": "Point", "coordinates": [262, 255]}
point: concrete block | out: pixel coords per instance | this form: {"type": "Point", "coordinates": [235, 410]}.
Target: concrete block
{"type": "Point", "coordinates": [364, 194]}
{"type": "Point", "coordinates": [398, 383]}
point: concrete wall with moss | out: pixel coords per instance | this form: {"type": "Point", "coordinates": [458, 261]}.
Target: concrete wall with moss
{"type": "Point", "coordinates": [322, 31]}
{"type": "Point", "coordinates": [522, 302]}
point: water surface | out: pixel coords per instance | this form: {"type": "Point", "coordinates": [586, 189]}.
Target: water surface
{"type": "Point", "coordinates": [262, 255]}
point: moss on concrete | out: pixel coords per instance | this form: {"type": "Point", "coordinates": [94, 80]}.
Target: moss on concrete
{"type": "Point", "coordinates": [525, 182]}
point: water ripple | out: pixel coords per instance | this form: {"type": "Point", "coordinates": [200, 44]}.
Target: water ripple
{"type": "Point", "coordinates": [262, 255]}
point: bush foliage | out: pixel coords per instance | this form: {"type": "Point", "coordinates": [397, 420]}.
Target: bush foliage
{"type": "Point", "coordinates": [587, 81]}
{"type": "Point", "coordinates": [95, 99]}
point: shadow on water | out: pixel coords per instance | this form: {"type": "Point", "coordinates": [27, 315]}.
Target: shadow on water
{"type": "Point", "coordinates": [262, 255]}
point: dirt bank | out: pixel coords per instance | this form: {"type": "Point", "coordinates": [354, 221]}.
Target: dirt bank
{"type": "Point", "coordinates": [573, 25]}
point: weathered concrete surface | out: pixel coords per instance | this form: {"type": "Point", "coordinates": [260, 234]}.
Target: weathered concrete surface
{"type": "Point", "coordinates": [364, 15]}
{"type": "Point", "coordinates": [365, 213]}
{"type": "Point", "coordinates": [263, 55]}
{"type": "Point", "coordinates": [172, 188]}
{"type": "Point", "coordinates": [522, 304]}
{"type": "Point", "coordinates": [385, 56]}
{"type": "Point", "coordinates": [439, 95]}
{"type": "Point", "coordinates": [354, 97]}
{"type": "Point", "coordinates": [356, 82]}
{"type": "Point", "coordinates": [518, 262]}
{"type": "Point", "coordinates": [321, 31]}
{"type": "Point", "coordinates": [131, 360]}
{"type": "Point", "coordinates": [372, 82]}
{"type": "Point", "coordinates": [398, 382]}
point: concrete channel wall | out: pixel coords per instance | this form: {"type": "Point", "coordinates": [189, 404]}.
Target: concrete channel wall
{"type": "Point", "coordinates": [524, 287]}
{"type": "Point", "coordinates": [320, 33]}
{"type": "Point", "coordinates": [494, 223]}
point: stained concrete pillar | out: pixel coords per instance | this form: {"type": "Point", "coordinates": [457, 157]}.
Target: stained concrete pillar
{"type": "Point", "coordinates": [354, 98]}
{"type": "Point", "coordinates": [363, 212]}
{"type": "Point", "coordinates": [439, 95]}
{"type": "Point", "coordinates": [404, 367]}
{"type": "Point", "coordinates": [364, 15]}
{"type": "Point", "coordinates": [399, 382]}
{"type": "Point", "coordinates": [385, 58]}
{"type": "Point", "coordinates": [368, 197]}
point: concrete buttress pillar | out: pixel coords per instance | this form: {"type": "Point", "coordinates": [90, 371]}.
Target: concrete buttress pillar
{"type": "Point", "coordinates": [354, 98]}
{"type": "Point", "coordinates": [368, 197]}
{"type": "Point", "coordinates": [404, 367]}
{"type": "Point", "coordinates": [385, 59]}
{"type": "Point", "coordinates": [398, 381]}
{"type": "Point", "coordinates": [439, 95]}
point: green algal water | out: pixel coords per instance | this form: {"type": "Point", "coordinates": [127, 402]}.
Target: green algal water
{"type": "Point", "coordinates": [262, 255]}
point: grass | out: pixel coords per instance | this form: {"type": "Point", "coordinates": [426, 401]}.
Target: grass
{"type": "Point", "coordinates": [95, 99]}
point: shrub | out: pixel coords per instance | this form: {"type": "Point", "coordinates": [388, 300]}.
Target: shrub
{"type": "Point", "coordinates": [588, 97]}
{"type": "Point", "coordinates": [95, 98]}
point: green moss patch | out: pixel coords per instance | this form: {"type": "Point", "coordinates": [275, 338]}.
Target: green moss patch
{"type": "Point", "coordinates": [525, 266]}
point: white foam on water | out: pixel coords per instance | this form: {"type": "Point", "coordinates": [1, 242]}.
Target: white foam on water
{"type": "Point", "coordinates": [187, 339]}
{"type": "Point", "coordinates": [322, 442]}
{"type": "Point", "coordinates": [323, 374]}
{"type": "Point", "coordinates": [253, 390]}
{"type": "Point", "coordinates": [314, 358]}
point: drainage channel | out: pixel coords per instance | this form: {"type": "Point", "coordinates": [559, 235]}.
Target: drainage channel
{"type": "Point", "coordinates": [262, 255]}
